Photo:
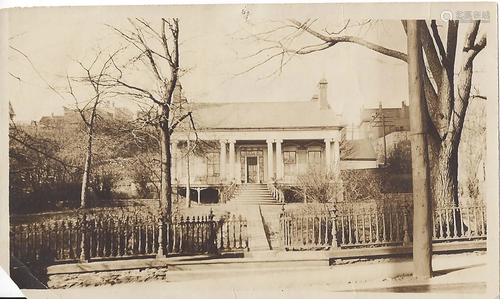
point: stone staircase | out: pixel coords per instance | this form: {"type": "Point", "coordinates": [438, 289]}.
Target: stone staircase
{"type": "Point", "coordinates": [253, 194]}
{"type": "Point", "coordinates": [248, 201]}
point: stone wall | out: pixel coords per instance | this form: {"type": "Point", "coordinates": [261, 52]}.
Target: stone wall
{"type": "Point", "coordinates": [89, 279]}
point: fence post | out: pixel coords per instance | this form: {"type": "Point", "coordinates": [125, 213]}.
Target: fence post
{"type": "Point", "coordinates": [406, 234]}
{"type": "Point", "coordinates": [85, 244]}
{"type": "Point", "coordinates": [161, 234]}
{"type": "Point", "coordinates": [333, 213]}
{"type": "Point", "coordinates": [212, 247]}
{"type": "Point", "coordinates": [283, 231]}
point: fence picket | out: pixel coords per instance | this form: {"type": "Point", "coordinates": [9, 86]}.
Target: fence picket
{"type": "Point", "coordinates": [390, 225]}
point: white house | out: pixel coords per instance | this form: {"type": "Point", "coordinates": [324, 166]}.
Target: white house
{"type": "Point", "coordinates": [257, 142]}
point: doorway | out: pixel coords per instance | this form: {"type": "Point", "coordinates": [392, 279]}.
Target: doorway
{"type": "Point", "coordinates": [252, 170]}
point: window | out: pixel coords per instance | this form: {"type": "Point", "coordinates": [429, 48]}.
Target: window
{"type": "Point", "coordinates": [314, 159]}
{"type": "Point", "coordinates": [213, 164]}
{"type": "Point", "coordinates": [290, 162]}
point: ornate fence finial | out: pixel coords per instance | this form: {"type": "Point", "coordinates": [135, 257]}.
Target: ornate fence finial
{"type": "Point", "coordinates": [85, 250]}
{"type": "Point", "coordinates": [333, 213]}
{"type": "Point", "coordinates": [162, 252]}
{"type": "Point", "coordinates": [406, 233]}
{"type": "Point", "coordinates": [211, 215]}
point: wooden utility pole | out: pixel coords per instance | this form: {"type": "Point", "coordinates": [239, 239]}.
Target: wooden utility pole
{"type": "Point", "coordinates": [383, 131]}
{"type": "Point", "coordinates": [422, 220]}
{"type": "Point", "coordinates": [380, 120]}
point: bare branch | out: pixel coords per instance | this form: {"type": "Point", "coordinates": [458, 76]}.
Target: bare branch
{"type": "Point", "coordinates": [451, 44]}
{"type": "Point", "coordinates": [333, 40]}
{"type": "Point", "coordinates": [16, 77]}
{"type": "Point", "coordinates": [438, 41]}
{"type": "Point", "coordinates": [479, 97]}
{"type": "Point", "coordinates": [147, 93]}
{"type": "Point", "coordinates": [338, 32]}
{"type": "Point", "coordinates": [178, 121]}
{"type": "Point", "coordinates": [165, 43]}
{"type": "Point", "coordinates": [194, 127]}
{"type": "Point", "coordinates": [431, 55]}
{"type": "Point", "coordinates": [33, 148]}
{"type": "Point", "coordinates": [38, 73]}
{"type": "Point", "coordinates": [269, 58]}
{"type": "Point", "coordinates": [477, 48]}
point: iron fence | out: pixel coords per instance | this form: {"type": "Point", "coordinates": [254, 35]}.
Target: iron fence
{"type": "Point", "coordinates": [462, 222]}
{"type": "Point", "coordinates": [105, 237]}
{"type": "Point", "coordinates": [355, 227]}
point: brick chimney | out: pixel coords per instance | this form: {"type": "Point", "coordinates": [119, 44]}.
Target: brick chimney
{"type": "Point", "coordinates": [323, 98]}
{"type": "Point", "coordinates": [403, 113]}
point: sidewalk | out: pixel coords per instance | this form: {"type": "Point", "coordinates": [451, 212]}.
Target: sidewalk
{"type": "Point", "coordinates": [454, 274]}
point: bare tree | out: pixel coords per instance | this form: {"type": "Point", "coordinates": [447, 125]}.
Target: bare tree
{"type": "Point", "coordinates": [447, 90]}
{"type": "Point", "coordinates": [97, 76]}
{"type": "Point", "coordinates": [157, 53]}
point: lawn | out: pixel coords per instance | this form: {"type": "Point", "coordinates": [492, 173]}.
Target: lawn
{"type": "Point", "coordinates": [130, 207]}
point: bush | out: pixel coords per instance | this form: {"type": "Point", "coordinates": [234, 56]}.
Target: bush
{"type": "Point", "coordinates": [361, 184]}
{"type": "Point", "coordinates": [397, 183]}
{"type": "Point", "coordinates": [317, 185]}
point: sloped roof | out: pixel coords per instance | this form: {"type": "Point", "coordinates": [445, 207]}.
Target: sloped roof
{"type": "Point", "coordinates": [263, 115]}
{"type": "Point", "coordinates": [360, 150]}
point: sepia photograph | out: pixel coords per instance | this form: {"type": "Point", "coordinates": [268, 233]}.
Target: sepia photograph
{"type": "Point", "coordinates": [242, 150]}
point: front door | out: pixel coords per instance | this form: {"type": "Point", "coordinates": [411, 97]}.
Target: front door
{"type": "Point", "coordinates": [252, 170]}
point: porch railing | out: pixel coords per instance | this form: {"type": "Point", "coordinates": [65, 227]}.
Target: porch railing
{"type": "Point", "coordinates": [276, 193]}
{"type": "Point", "coordinates": [94, 238]}
{"type": "Point", "coordinates": [377, 226]}
{"type": "Point", "coordinates": [228, 193]}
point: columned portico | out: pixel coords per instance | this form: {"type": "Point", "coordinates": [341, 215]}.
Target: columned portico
{"type": "Point", "coordinates": [294, 153]}
{"type": "Point", "coordinates": [270, 164]}
{"type": "Point", "coordinates": [231, 159]}
{"type": "Point", "coordinates": [223, 160]}
{"type": "Point", "coordinates": [279, 160]}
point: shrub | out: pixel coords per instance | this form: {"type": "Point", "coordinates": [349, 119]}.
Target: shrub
{"type": "Point", "coordinates": [317, 185]}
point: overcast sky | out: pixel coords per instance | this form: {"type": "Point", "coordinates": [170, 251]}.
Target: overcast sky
{"type": "Point", "coordinates": [213, 53]}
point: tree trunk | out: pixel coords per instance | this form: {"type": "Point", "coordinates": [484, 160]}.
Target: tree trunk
{"type": "Point", "coordinates": [86, 175]}
{"type": "Point", "coordinates": [445, 182]}
{"type": "Point", "coordinates": [88, 159]}
{"type": "Point", "coordinates": [445, 175]}
{"type": "Point", "coordinates": [166, 162]}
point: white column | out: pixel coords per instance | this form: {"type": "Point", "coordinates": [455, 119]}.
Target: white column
{"type": "Point", "coordinates": [328, 153]}
{"type": "Point", "coordinates": [173, 161]}
{"type": "Point", "coordinates": [279, 160]}
{"type": "Point", "coordinates": [336, 153]}
{"type": "Point", "coordinates": [223, 160]}
{"type": "Point", "coordinates": [231, 159]}
{"type": "Point", "coordinates": [270, 164]}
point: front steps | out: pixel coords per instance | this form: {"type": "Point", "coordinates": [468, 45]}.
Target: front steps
{"type": "Point", "coordinates": [248, 200]}
{"type": "Point", "coordinates": [253, 194]}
